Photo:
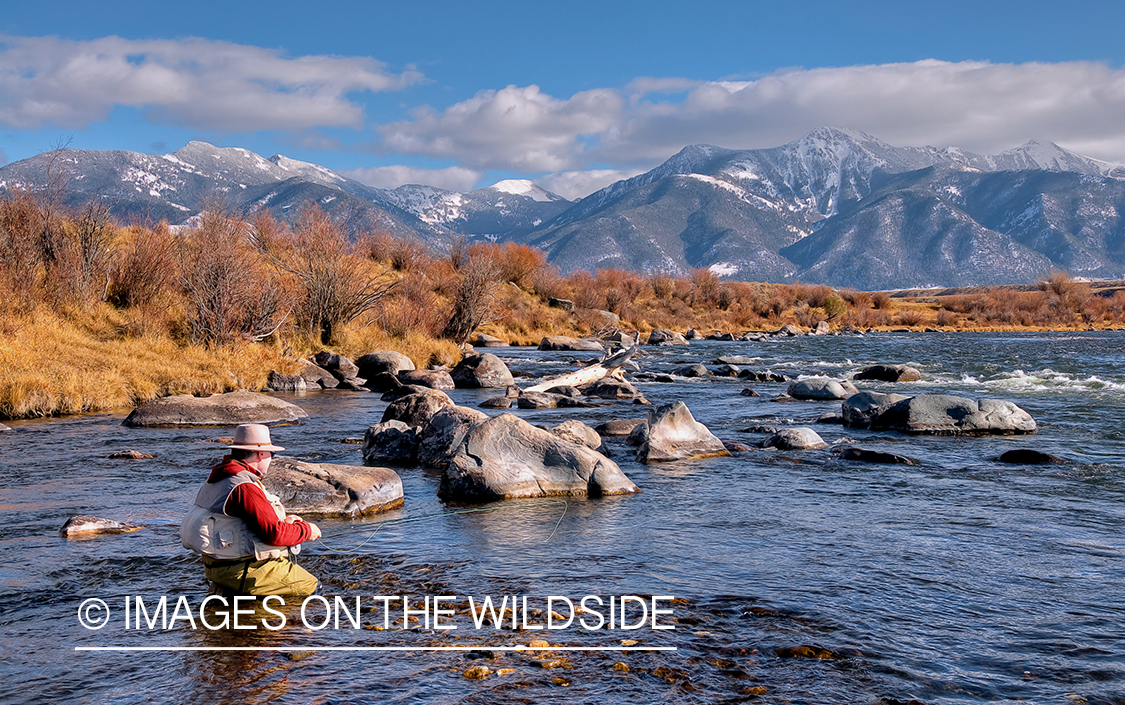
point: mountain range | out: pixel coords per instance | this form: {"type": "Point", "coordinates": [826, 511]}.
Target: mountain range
{"type": "Point", "coordinates": [837, 207]}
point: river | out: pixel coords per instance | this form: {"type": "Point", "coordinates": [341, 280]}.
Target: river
{"type": "Point", "coordinates": [960, 579]}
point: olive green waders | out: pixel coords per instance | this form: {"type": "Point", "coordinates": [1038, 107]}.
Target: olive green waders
{"type": "Point", "coordinates": [274, 576]}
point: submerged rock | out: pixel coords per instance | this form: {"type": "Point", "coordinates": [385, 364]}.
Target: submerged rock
{"type": "Point", "coordinates": [129, 455]}
{"type": "Point", "coordinates": [762, 376]}
{"type": "Point", "coordinates": [671, 433]}
{"type": "Point", "coordinates": [230, 409]}
{"type": "Point", "coordinates": [947, 415]}
{"type": "Point", "coordinates": [692, 371]}
{"type": "Point", "coordinates": [326, 490]}
{"type": "Point", "coordinates": [86, 525]}
{"type": "Point", "coordinates": [506, 457]}
{"type": "Point", "coordinates": [794, 439]}
{"type": "Point", "coordinates": [748, 392]}
{"type": "Point", "coordinates": [485, 371]}
{"type": "Point", "coordinates": [889, 373]}
{"type": "Point", "coordinates": [821, 388]}
{"type": "Point", "coordinates": [874, 456]}
{"type": "Point", "coordinates": [1026, 456]}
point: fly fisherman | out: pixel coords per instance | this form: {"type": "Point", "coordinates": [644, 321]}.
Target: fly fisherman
{"type": "Point", "coordinates": [241, 530]}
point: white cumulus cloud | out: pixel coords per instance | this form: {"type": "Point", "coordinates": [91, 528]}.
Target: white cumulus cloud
{"type": "Point", "coordinates": [979, 106]}
{"type": "Point", "coordinates": [198, 83]}
{"type": "Point", "coordinates": [579, 184]}
{"type": "Point", "coordinates": [454, 178]}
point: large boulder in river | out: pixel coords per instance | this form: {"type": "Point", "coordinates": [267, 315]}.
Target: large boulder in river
{"type": "Point", "coordinates": [481, 340]}
{"type": "Point", "coordinates": [390, 442]}
{"type": "Point", "coordinates": [416, 409]}
{"type": "Point", "coordinates": [230, 409]}
{"type": "Point", "coordinates": [858, 409]}
{"type": "Point", "coordinates": [611, 388]}
{"type": "Point", "coordinates": [821, 388]}
{"type": "Point", "coordinates": [789, 330]}
{"type": "Point", "coordinates": [661, 336]}
{"type": "Point", "coordinates": [672, 433]}
{"type": "Point", "coordinates": [438, 440]}
{"type": "Point", "coordinates": [339, 366]}
{"type": "Point", "coordinates": [434, 379]}
{"type": "Point", "coordinates": [562, 342]}
{"type": "Point", "coordinates": [946, 415]}
{"type": "Point", "coordinates": [507, 457]}
{"type": "Point", "coordinates": [317, 377]}
{"type": "Point", "coordinates": [375, 363]}
{"type": "Point", "coordinates": [325, 490]}
{"type": "Point", "coordinates": [577, 432]}
{"type": "Point", "coordinates": [889, 373]}
{"type": "Point", "coordinates": [277, 382]}
{"type": "Point", "coordinates": [484, 371]}
{"type": "Point", "coordinates": [794, 439]}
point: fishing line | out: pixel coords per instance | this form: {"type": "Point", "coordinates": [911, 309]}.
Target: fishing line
{"type": "Point", "coordinates": [430, 517]}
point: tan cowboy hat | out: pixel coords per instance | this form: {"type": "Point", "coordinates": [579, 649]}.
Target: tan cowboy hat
{"type": "Point", "coordinates": [253, 436]}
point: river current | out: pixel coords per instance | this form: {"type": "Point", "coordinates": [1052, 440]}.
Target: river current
{"type": "Point", "coordinates": [959, 579]}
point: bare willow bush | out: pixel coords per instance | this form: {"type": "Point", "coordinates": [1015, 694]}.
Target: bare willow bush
{"type": "Point", "coordinates": [477, 300]}
{"type": "Point", "coordinates": [228, 292]}
{"type": "Point", "coordinates": [335, 284]}
{"type": "Point", "coordinates": [144, 267]}
{"type": "Point", "coordinates": [79, 272]}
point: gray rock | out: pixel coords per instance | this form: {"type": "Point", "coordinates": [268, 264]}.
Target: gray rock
{"type": "Point", "coordinates": [874, 456]}
{"type": "Point", "coordinates": [564, 304]}
{"type": "Point", "coordinates": [374, 363]}
{"type": "Point", "coordinates": [611, 388]}
{"type": "Point", "coordinates": [794, 439]}
{"type": "Point", "coordinates": [416, 409]}
{"type": "Point", "coordinates": [946, 415]}
{"type": "Point", "coordinates": [889, 373]}
{"type": "Point", "coordinates": [733, 360]}
{"type": "Point", "coordinates": [317, 377]}
{"type": "Point", "coordinates": [620, 338]}
{"type": "Point", "coordinates": [277, 382]}
{"type": "Point", "coordinates": [789, 330]}
{"type": "Point", "coordinates": [692, 371]}
{"type": "Point", "coordinates": [353, 384]}
{"type": "Point", "coordinates": [339, 366]}
{"type": "Point", "coordinates": [736, 447]}
{"type": "Point", "coordinates": [578, 432]}
{"type": "Point", "coordinates": [618, 427]}
{"type": "Point", "coordinates": [439, 439]}
{"type": "Point", "coordinates": [693, 334]}
{"type": "Point", "coordinates": [562, 342]}
{"type": "Point", "coordinates": [782, 398]}
{"type": "Point", "coordinates": [497, 403]}
{"type": "Point", "coordinates": [230, 409]}
{"type": "Point", "coordinates": [383, 382]}
{"type": "Point", "coordinates": [859, 409]}
{"type": "Point", "coordinates": [762, 376]}
{"type": "Point", "coordinates": [434, 379]}
{"type": "Point", "coordinates": [403, 390]}
{"type": "Point", "coordinates": [326, 490]}
{"type": "Point", "coordinates": [748, 392]}
{"type": "Point", "coordinates": [86, 525]}
{"type": "Point", "coordinates": [566, 391]}
{"type": "Point", "coordinates": [673, 434]}
{"type": "Point", "coordinates": [638, 435]}
{"type": "Point", "coordinates": [661, 336]}
{"type": "Point", "coordinates": [480, 340]}
{"type": "Point", "coordinates": [830, 418]}
{"type": "Point", "coordinates": [484, 371]}
{"type": "Point", "coordinates": [4, 429]}
{"type": "Point", "coordinates": [761, 428]}
{"type": "Point", "coordinates": [725, 371]}
{"type": "Point", "coordinates": [506, 457]}
{"type": "Point", "coordinates": [539, 400]}
{"type": "Point", "coordinates": [390, 442]}
{"type": "Point", "coordinates": [821, 388]}
{"type": "Point", "coordinates": [721, 336]}
{"type": "Point", "coordinates": [822, 328]}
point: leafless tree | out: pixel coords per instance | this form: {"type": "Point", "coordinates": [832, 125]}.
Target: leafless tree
{"type": "Point", "coordinates": [477, 299]}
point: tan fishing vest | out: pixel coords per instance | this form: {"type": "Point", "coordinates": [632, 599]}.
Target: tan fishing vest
{"type": "Point", "coordinates": [210, 531]}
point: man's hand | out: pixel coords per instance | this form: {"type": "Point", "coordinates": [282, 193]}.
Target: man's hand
{"type": "Point", "coordinates": [315, 531]}
{"type": "Point", "coordinates": [290, 518]}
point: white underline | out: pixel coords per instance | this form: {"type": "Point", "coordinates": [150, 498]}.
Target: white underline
{"type": "Point", "coordinates": [375, 648]}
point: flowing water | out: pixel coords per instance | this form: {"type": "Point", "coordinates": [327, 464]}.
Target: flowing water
{"type": "Point", "coordinates": [960, 579]}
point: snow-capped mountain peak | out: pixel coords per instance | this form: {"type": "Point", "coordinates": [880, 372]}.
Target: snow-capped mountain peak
{"type": "Point", "coordinates": [525, 187]}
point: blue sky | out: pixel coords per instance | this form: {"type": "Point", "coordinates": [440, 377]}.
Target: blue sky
{"type": "Point", "coordinates": [573, 95]}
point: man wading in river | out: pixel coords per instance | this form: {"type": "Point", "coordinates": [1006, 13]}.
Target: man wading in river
{"type": "Point", "coordinates": [241, 530]}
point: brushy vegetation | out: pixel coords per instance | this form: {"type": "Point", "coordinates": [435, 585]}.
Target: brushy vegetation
{"type": "Point", "coordinates": [97, 315]}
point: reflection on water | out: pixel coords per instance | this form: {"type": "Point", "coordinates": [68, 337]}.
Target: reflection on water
{"type": "Point", "coordinates": [803, 578]}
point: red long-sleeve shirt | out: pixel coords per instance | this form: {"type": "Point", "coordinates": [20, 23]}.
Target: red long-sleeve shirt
{"type": "Point", "coordinates": [248, 503]}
